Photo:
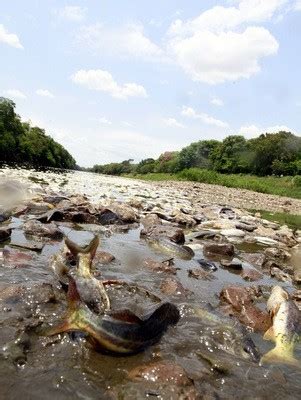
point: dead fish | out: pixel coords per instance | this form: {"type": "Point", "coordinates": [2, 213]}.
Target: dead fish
{"type": "Point", "coordinates": [285, 332]}
{"type": "Point", "coordinates": [168, 247]}
{"type": "Point", "coordinates": [120, 332]}
{"type": "Point", "coordinates": [241, 342]}
{"type": "Point", "coordinates": [278, 295]}
{"type": "Point", "coordinates": [91, 290]}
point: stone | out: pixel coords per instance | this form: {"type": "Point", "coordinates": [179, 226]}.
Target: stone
{"type": "Point", "coordinates": [198, 273]}
{"type": "Point", "coordinates": [158, 266]}
{"type": "Point", "coordinates": [5, 233]}
{"type": "Point", "coordinates": [125, 212]}
{"type": "Point", "coordinates": [103, 257]}
{"type": "Point", "coordinates": [14, 258]}
{"type": "Point", "coordinates": [207, 265]}
{"type": "Point", "coordinates": [234, 264]}
{"type": "Point", "coordinates": [255, 259]}
{"type": "Point", "coordinates": [253, 317]}
{"type": "Point", "coordinates": [176, 235]}
{"type": "Point", "coordinates": [245, 226]}
{"type": "Point", "coordinates": [219, 249]}
{"type": "Point", "coordinates": [183, 219]}
{"type": "Point", "coordinates": [275, 252]}
{"type": "Point", "coordinates": [251, 275]}
{"type": "Point", "coordinates": [108, 217]}
{"type": "Point", "coordinates": [233, 233]}
{"type": "Point", "coordinates": [265, 240]}
{"type": "Point", "coordinates": [36, 228]}
{"type": "Point", "coordinates": [161, 372]}
{"type": "Point", "coordinates": [171, 286]}
{"type": "Point", "coordinates": [237, 296]}
{"type": "Point", "coordinates": [151, 220]}
{"type": "Point", "coordinates": [205, 234]}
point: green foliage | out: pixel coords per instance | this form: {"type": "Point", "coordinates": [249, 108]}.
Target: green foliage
{"type": "Point", "coordinates": [22, 143]}
{"type": "Point", "coordinates": [198, 154]}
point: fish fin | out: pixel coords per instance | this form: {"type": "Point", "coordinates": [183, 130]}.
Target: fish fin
{"type": "Point", "coordinates": [64, 326]}
{"type": "Point", "coordinates": [280, 356]}
{"type": "Point", "coordinates": [126, 316]}
{"type": "Point", "coordinates": [269, 334]}
{"type": "Point", "coordinates": [166, 313]}
{"type": "Point", "coordinates": [75, 249]}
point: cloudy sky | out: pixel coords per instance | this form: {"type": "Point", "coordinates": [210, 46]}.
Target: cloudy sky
{"type": "Point", "coordinates": [113, 80]}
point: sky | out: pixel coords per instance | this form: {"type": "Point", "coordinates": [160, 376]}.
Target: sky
{"type": "Point", "coordinates": [113, 80]}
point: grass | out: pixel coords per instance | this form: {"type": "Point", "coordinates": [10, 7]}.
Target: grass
{"type": "Point", "coordinates": [282, 186]}
{"type": "Point", "coordinates": [292, 221]}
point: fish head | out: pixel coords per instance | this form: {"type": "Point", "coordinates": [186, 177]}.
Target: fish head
{"type": "Point", "coordinates": [277, 297]}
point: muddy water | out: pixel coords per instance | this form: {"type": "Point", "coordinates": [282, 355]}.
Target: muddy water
{"type": "Point", "coordinates": [206, 344]}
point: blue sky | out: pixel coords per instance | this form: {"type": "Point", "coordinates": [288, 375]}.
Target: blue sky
{"type": "Point", "coordinates": [113, 80]}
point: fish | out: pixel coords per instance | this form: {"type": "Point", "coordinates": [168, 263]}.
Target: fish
{"type": "Point", "coordinates": [241, 342]}
{"type": "Point", "coordinates": [91, 290]}
{"type": "Point", "coordinates": [278, 295]}
{"type": "Point", "coordinates": [168, 247]}
{"type": "Point", "coordinates": [59, 263]}
{"type": "Point", "coordinates": [115, 332]}
{"type": "Point", "coordinates": [285, 332]}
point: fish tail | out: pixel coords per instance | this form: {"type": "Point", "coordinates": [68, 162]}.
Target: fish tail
{"type": "Point", "coordinates": [75, 249]}
{"type": "Point", "coordinates": [280, 355]}
{"type": "Point", "coordinates": [158, 321]}
{"type": "Point", "coordinates": [71, 321]}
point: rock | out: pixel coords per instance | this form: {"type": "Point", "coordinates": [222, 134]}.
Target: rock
{"type": "Point", "coordinates": [171, 286]}
{"type": "Point", "coordinates": [135, 203]}
{"type": "Point", "coordinates": [36, 228]}
{"type": "Point", "coordinates": [255, 259]}
{"type": "Point", "coordinates": [52, 215]}
{"type": "Point", "coordinates": [108, 217]}
{"type": "Point", "coordinates": [205, 234]}
{"type": "Point", "coordinates": [218, 224]}
{"type": "Point", "coordinates": [80, 217]}
{"type": "Point", "coordinates": [176, 235]}
{"type": "Point", "coordinates": [5, 234]}
{"type": "Point", "coordinates": [235, 264]}
{"type": "Point", "coordinates": [4, 215]}
{"type": "Point", "coordinates": [269, 224]}
{"type": "Point", "coordinates": [280, 275]}
{"type": "Point", "coordinates": [245, 226]}
{"type": "Point", "coordinates": [265, 240]}
{"type": "Point", "coordinates": [183, 219]}
{"type": "Point", "coordinates": [151, 220]}
{"type": "Point", "coordinates": [251, 275]}
{"type": "Point", "coordinates": [278, 253]}
{"type": "Point", "coordinates": [27, 244]}
{"type": "Point", "coordinates": [259, 321]}
{"type": "Point", "coordinates": [198, 273]}
{"type": "Point", "coordinates": [237, 296]}
{"type": "Point", "coordinates": [297, 276]}
{"type": "Point", "coordinates": [157, 266]}
{"type": "Point", "coordinates": [219, 249]}
{"type": "Point", "coordinates": [207, 265]}
{"type": "Point", "coordinates": [125, 212]}
{"type": "Point", "coordinates": [232, 233]}
{"type": "Point", "coordinates": [227, 213]}
{"type": "Point", "coordinates": [14, 258]}
{"type": "Point", "coordinates": [286, 236]}
{"type": "Point", "coordinates": [161, 372]}
{"type": "Point", "coordinates": [103, 257]}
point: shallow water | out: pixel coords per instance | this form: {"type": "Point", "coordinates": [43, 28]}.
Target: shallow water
{"type": "Point", "coordinates": [210, 349]}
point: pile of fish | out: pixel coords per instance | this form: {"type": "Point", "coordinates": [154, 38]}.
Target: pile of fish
{"type": "Point", "coordinates": [190, 289]}
{"type": "Point", "coordinates": [119, 332]}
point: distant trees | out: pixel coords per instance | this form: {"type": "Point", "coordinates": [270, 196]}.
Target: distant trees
{"type": "Point", "coordinates": [269, 154]}
{"type": "Point", "coordinates": [22, 143]}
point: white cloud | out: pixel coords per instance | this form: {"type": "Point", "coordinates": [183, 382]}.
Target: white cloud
{"type": "Point", "coordinates": [44, 93]}
{"type": "Point", "coordinates": [251, 131]}
{"type": "Point", "coordinates": [9, 38]}
{"type": "Point", "coordinates": [219, 45]}
{"type": "Point", "coordinates": [298, 5]}
{"type": "Point", "coordinates": [173, 123]}
{"type": "Point", "coordinates": [128, 40]}
{"type": "Point", "coordinates": [205, 118]}
{"type": "Point", "coordinates": [216, 101]}
{"type": "Point", "coordinates": [72, 13]}
{"type": "Point", "coordinates": [219, 19]}
{"type": "Point", "coordinates": [15, 94]}
{"type": "Point", "coordinates": [218, 57]}
{"type": "Point", "coordinates": [104, 121]}
{"type": "Point", "coordinates": [103, 81]}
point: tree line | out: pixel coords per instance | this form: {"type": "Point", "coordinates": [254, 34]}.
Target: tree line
{"type": "Point", "coordinates": [269, 154]}
{"type": "Point", "coordinates": [21, 143]}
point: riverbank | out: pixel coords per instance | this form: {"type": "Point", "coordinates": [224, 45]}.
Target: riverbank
{"type": "Point", "coordinates": [286, 186]}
